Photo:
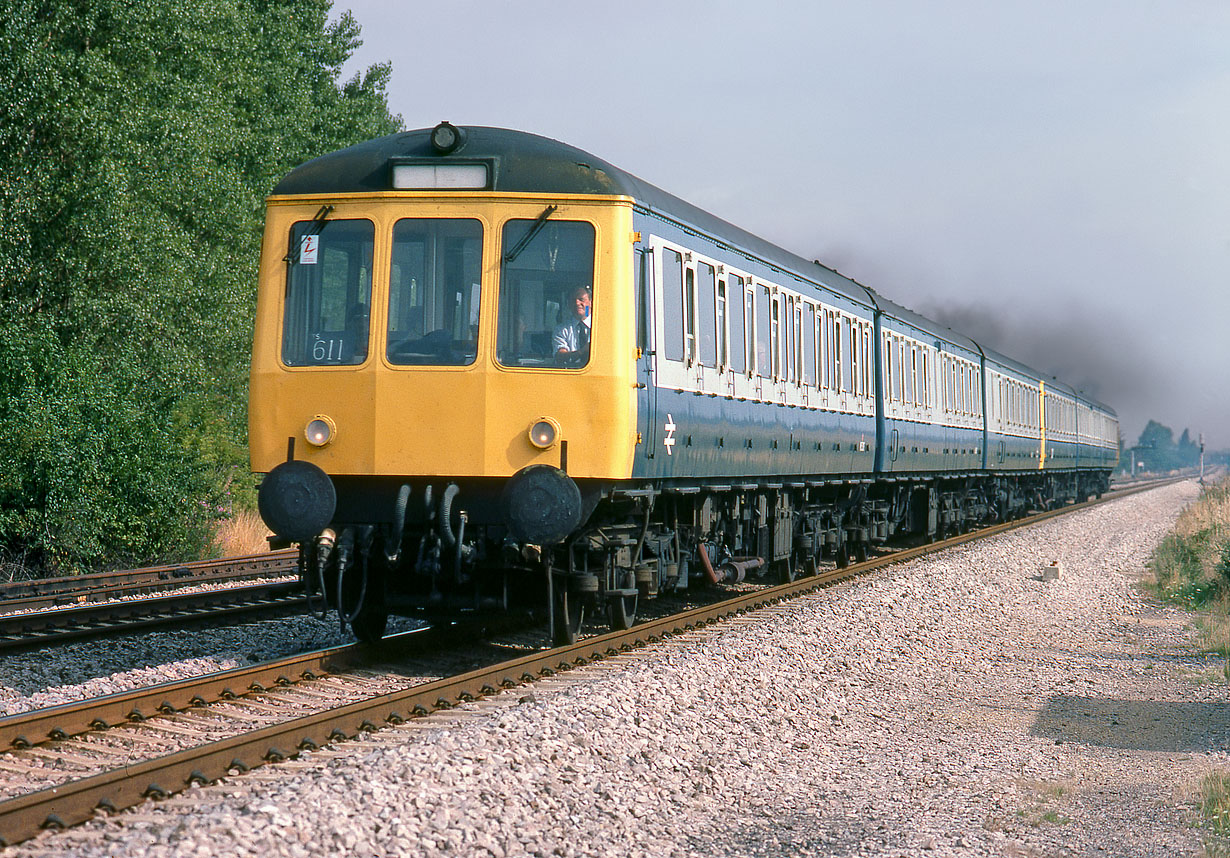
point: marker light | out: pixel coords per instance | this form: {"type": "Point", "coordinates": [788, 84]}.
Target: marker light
{"type": "Point", "coordinates": [447, 138]}
{"type": "Point", "coordinates": [320, 431]}
{"type": "Point", "coordinates": [544, 432]}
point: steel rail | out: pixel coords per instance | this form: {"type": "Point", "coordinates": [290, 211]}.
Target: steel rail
{"type": "Point", "coordinates": [71, 803]}
{"type": "Point", "coordinates": [67, 589]}
{"type": "Point", "coordinates": [93, 619]}
{"type": "Point", "coordinates": [54, 723]}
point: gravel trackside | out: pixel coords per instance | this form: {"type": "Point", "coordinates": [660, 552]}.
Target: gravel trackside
{"type": "Point", "coordinates": [953, 706]}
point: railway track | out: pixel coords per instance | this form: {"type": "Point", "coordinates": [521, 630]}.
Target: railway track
{"type": "Point", "coordinates": [65, 764]}
{"type": "Point", "coordinates": [96, 586]}
{"type": "Point", "coordinates": [54, 610]}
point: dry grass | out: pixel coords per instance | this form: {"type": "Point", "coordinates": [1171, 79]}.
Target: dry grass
{"type": "Point", "coordinates": [242, 533]}
{"type": "Point", "coordinates": [1210, 513]}
{"type": "Point", "coordinates": [1214, 629]}
{"type": "Point", "coordinates": [1215, 808]}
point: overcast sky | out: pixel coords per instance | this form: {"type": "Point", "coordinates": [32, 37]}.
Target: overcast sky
{"type": "Point", "coordinates": [1052, 178]}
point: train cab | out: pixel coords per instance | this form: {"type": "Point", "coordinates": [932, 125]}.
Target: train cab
{"type": "Point", "coordinates": [428, 328]}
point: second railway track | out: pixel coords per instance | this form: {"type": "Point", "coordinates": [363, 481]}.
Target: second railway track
{"type": "Point", "coordinates": [56, 610]}
{"type": "Point", "coordinates": [74, 589]}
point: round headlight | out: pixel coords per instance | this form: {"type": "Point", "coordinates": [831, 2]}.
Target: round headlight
{"type": "Point", "coordinates": [320, 431]}
{"type": "Point", "coordinates": [543, 433]}
{"type": "Point", "coordinates": [446, 138]}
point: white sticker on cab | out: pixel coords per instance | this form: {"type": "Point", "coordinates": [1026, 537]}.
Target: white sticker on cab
{"type": "Point", "coordinates": [307, 250]}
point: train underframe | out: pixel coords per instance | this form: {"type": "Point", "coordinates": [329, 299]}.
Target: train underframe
{"type": "Point", "coordinates": [443, 553]}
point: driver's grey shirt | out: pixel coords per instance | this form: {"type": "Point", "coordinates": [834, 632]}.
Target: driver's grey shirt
{"type": "Point", "coordinates": [570, 337]}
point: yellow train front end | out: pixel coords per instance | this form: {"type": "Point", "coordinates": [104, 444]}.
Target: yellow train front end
{"type": "Point", "coordinates": [442, 384]}
{"type": "Point", "coordinates": [393, 331]}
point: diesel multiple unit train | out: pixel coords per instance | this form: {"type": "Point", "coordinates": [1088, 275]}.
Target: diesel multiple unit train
{"type": "Point", "coordinates": [493, 370]}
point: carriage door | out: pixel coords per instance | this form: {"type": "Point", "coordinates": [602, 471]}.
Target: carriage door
{"type": "Point", "coordinates": [646, 341]}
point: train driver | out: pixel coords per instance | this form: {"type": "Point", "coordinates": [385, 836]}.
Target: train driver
{"type": "Point", "coordinates": [572, 336]}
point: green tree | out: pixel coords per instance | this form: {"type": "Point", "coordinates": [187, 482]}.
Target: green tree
{"type": "Point", "coordinates": [1156, 436]}
{"type": "Point", "coordinates": [137, 142]}
{"type": "Point", "coordinates": [1157, 451]}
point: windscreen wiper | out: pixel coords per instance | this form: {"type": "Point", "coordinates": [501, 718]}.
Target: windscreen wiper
{"type": "Point", "coordinates": [529, 236]}
{"type": "Point", "coordinates": [318, 224]}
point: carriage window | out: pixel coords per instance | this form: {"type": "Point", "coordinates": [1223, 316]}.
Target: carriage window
{"type": "Point", "coordinates": [689, 314]}
{"type": "Point", "coordinates": [328, 293]}
{"type": "Point", "coordinates": [789, 370]}
{"type": "Point", "coordinates": [950, 375]}
{"type": "Point", "coordinates": [809, 346]}
{"type": "Point", "coordinates": [913, 374]}
{"type": "Point", "coordinates": [672, 303]}
{"type": "Point", "coordinates": [546, 293]}
{"type": "Point", "coordinates": [797, 354]}
{"type": "Point", "coordinates": [434, 291]}
{"type": "Point", "coordinates": [889, 368]}
{"type": "Point", "coordinates": [826, 351]}
{"type": "Point", "coordinates": [722, 355]}
{"type": "Point", "coordinates": [837, 364]}
{"type": "Point", "coordinates": [868, 361]}
{"type": "Point", "coordinates": [853, 386]}
{"type": "Point", "coordinates": [738, 341]}
{"type": "Point", "coordinates": [895, 360]}
{"type": "Point", "coordinates": [706, 311]}
{"type": "Point", "coordinates": [903, 365]}
{"type": "Point", "coordinates": [775, 337]}
{"type": "Point", "coordinates": [763, 342]}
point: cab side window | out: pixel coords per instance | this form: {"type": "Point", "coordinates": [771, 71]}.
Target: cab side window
{"type": "Point", "coordinates": [546, 294]}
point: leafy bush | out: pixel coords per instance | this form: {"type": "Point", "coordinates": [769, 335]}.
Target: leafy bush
{"type": "Point", "coordinates": [137, 142]}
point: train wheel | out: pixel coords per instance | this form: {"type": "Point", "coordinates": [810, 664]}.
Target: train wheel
{"type": "Point", "coordinates": [843, 556]}
{"type": "Point", "coordinates": [860, 552]}
{"type": "Point", "coordinates": [569, 613]}
{"type": "Point", "coordinates": [621, 610]}
{"type": "Point", "coordinates": [787, 571]}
